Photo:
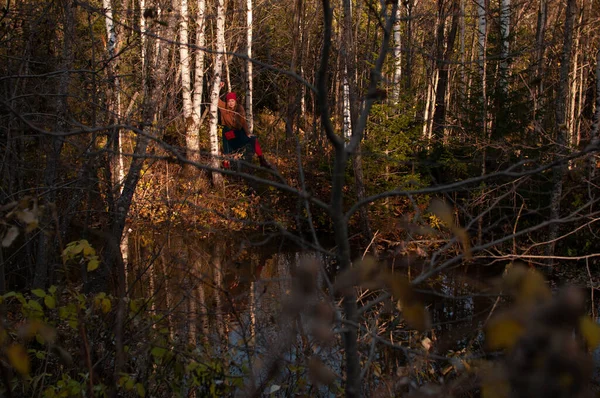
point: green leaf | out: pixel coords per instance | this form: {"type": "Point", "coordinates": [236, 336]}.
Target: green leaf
{"type": "Point", "coordinates": [140, 390]}
{"type": "Point", "coordinates": [39, 292]}
{"type": "Point", "coordinates": [34, 305]}
{"type": "Point", "coordinates": [52, 289]}
{"type": "Point", "coordinates": [158, 352]}
{"type": "Point", "coordinates": [50, 302]}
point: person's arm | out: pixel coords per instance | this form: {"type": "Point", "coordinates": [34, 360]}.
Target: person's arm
{"type": "Point", "coordinates": [222, 104]}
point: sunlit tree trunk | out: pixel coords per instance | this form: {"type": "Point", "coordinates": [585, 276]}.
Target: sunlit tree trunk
{"type": "Point", "coordinates": [214, 95]}
{"type": "Point", "coordinates": [408, 72]}
{"type": "Point", "coordinates": [558, 171]}
{"type": "Point", "coordinates": [594, 158]}
{"type": "Point", "coordinates": [346, 114]}
{"type": "Point", "coordinates": [397, 51]}
{"type": "Point", "coordinates": [575, 92]}
{"type": "Point", "coordinates": [192, 140]}
{"type": "Point", "coordinates": [249, 71]}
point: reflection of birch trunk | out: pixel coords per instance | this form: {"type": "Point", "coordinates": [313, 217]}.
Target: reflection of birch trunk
{"type": "Point", "coordinates": [218, 281]}
{"type": "Point", "coordinates": [192, 292]}
{"type": "Point", "coordinates": [203, 310]}
{"type": "Point", "coordinates": [253, 311]}
{"type": "Point", "coordinates": [167, 296]}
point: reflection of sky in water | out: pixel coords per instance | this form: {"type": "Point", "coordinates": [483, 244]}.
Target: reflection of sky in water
{"type": "Point", "coordinates": [261, 318]}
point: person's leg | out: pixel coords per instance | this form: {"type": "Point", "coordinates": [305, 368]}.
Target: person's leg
{"type": "Point", "coordinates": [258, 150]}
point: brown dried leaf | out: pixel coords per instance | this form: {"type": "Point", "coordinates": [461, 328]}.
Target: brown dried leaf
{"type": "Point", "coordinates": [18, 358]}
{"type": "Point", "coordinates": [10, 236]}
{"type": "Point", "coordinates": [400, 287]}
{"type": "Point", "coordinates": [417, 316]}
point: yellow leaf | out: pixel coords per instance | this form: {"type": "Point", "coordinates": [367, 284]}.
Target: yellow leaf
{"type": "Point", "coordinates": [442, 211]}
{"type": "Point", "coordinates": [533, 288]}
{"type": "Point", "coordinates": [498, 389]}
{"type": "Point", "coordinates": [590, 331]}
{"type": "Point", "coordinates": [417, 316]}
{"type": "Point", "coordinates": [88, 251]}
{"type": "Point", "coordinates": [503, 332]}
{"type": "Point", "coordinates": [18, 358]}
{"type": "Point", "coordinates": [106, 305]}
{"type": "Point", "coordinates": [93, 264]}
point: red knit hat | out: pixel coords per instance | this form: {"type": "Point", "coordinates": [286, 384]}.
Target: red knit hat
{"type": "Point", "coordinates": [231, 96]}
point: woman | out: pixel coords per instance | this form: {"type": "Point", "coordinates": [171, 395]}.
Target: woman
{"type": "Point", "coordinates": [236, 137]}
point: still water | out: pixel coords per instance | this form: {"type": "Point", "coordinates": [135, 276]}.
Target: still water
{"type": "Point", "coordinates": [237, 299]}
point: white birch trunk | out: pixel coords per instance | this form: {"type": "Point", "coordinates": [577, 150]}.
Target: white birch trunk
{"type": "Point", "coordinates": [346, 114]}
{"type": "Point", "coordinates": [430, 105]}
{"type": "Point", "coordinates": [199, 72]}
{"type": "Point", "coordinates": [481, 29]}
{"type": "Point", "coordinates": [214, 95]}
{"type": "Point", "coordinates": [114, 107]}
{"type": "Point", "coordinates": [249, 72]}
{"type": "Point", "coordinates": [397, 54]}
{"type": "Point", "coordinates": [143, 33]}
{"type": "Point", "coordinates": [191, 135]}
{"type": "Point", "coordinates": [111, 32]}
{"type": "Point", "coordinates": [576, 85]}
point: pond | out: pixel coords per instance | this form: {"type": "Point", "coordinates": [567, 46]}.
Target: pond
{"type": "Point", "coordinates": [237, 299]}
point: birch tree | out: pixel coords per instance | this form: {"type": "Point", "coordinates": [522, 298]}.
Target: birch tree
{"type": "Point", "coordinates": [249, 72]}
{"type": "Point", "coordinates": [397, 51]}
{"type": "Point", "coordinates": [191, 133]}
{"type": "Point", "coordinates": [214, 95]}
